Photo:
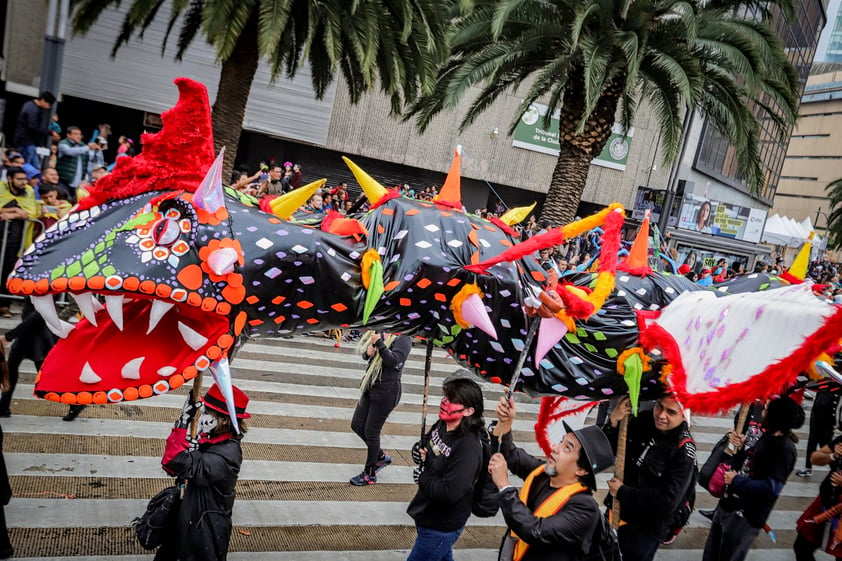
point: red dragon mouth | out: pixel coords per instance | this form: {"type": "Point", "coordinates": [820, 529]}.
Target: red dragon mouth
{"type": "Point", "coordinates": [152, 346]}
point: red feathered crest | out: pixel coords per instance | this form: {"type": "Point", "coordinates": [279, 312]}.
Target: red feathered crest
{"type": "Point", "coordinates": [177, 158]}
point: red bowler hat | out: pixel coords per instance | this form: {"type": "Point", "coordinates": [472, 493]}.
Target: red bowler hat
{"type": "Point", "coordinates": [216, 401]}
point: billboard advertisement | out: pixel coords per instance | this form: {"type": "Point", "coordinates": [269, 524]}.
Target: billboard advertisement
{"type": "Point", "coordinates": [726, 220]}
{"type": "Point", "coordinates": [530, 134]}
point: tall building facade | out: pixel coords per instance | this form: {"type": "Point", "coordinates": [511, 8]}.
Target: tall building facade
{"type": "Point", "coordinates": [718, 216]}
{"type": "Point", "coordinates": [814, 157]}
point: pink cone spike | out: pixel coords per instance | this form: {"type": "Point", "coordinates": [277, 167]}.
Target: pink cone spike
{"type": "Point", "coordinates": [210, 196]}
{"type": "Point", "coordinates": [222, 376]}
{"type": "Point", "coordinates": [222, 260]}
{"type": "Point", "coordinates": [473, 311]}
{"type": "Point", "coordinates": [550, 332]}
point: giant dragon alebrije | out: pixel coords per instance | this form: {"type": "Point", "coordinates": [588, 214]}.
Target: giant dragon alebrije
{"type": "Point", "coordinates": [188, 271]}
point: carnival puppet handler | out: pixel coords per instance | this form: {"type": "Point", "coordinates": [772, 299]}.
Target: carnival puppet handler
{"type": "Point", "coordinates": [208, 467]}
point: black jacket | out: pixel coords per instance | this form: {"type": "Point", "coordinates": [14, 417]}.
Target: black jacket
{"type": "Point", "coordinates": [31, 127]}
{"type": "Point", "coordinates": [393, 357]}
{"type": "Point", "coordinates": [446, 486]}
{"type": "Point", "coordinates": [770, 462]}
{"type": "Point", "coordinates": [564, 536]}
{"type": "Point", "coordinates": [33, 340]}
{"type": "Point", "coordinates": [658, 473]}
{"type": "Point", "coordinates": [204, 519]}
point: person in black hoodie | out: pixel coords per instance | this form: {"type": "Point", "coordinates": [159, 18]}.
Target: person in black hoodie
{"type": "Point", "coordinates": [554, 517]}
{"type": "Point", "coordinates": [450, 458]}
{"type": "Point", "coordinates": [381, 387]}
{"type": "Point", "coordinates": [753, 484]}
{"type": "Point", "coordinates": [208, 469]}
{"type": "Point", "coordinates": [659, 465]}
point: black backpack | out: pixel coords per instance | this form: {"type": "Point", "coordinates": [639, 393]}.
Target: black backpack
{"type": "Point", "coordinates": [485, 503]}
{"type": "Point", "coordinates": [604, 545]}
{"type": "Point", "coordinates": [160, 518]}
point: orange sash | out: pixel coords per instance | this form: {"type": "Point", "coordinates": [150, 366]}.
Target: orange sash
{"type": "Point", "coordinates": [550, 506]}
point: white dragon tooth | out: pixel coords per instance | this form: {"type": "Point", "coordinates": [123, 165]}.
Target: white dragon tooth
{"type": "Point", "coordinates": [88, 375]}
{"type": "Point", "coordinates": [158, 310]}
{"type": "Point", "coordinates": [166, 371]}
{"type": "Point", "coordinates": [193, 338]}
{"type": "Point", "coordinates": [131, 370]}
{"type": "Point", "coordinates": [87, 306]}
{"type": "Point", "coordinates": [114, 306]}
{"type": "Point", "coordinates": [46, 306]}
{"type": "Point", "coordinates": [62, 330]}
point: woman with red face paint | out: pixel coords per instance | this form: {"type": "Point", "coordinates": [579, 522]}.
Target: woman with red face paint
{"type": "Point", "coordinates": [450, 459]}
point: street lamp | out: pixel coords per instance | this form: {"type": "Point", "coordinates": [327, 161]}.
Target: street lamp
{"type": "Point", "coordinates": [820, 212]}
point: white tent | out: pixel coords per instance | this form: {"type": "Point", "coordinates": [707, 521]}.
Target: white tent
{"type": "Point", "coordinates": [778, 231]}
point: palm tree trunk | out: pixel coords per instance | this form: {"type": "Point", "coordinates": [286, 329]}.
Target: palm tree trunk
{"type": "Point", "coordinates": [570, 176]}
{"type": "Point", "coordinates": [235, 79]}
{"type": "Point", "coordinates": [577, 150]}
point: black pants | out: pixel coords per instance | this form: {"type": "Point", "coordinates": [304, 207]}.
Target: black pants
{"type": "Point", "coordinates": [5, 544]}
{"type": "Point", "coordinates": [14, 360]}
{"type": "Point", "coordinates": [370, 415]}
{"type": "Point", "coordinates": [636, 545]}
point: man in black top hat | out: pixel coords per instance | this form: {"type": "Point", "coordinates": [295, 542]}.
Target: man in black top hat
{"type": "Point", "coordinates": [554, 516]}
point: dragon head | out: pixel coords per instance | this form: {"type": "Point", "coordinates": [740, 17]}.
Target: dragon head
{"type": "Point", "coordinates": [154, 240]}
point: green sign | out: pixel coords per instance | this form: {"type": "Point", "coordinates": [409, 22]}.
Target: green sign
{"type": "Point", "coordinates": [530, 134]}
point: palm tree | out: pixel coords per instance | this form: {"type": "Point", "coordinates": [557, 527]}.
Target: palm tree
{"type": "Point", "coordinates": [395, 42]}
{"type": "Point", "coordinates": [834, 220]}
{"type": "Point", "coordinates": [587, 58]}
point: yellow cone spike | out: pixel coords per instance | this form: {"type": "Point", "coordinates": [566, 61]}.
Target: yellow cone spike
{"type": "Point", "coordinates": [516, 215]}
{"type": "Point", "coordinates": [451, 191]}
{"type": "Point", "coordinates": [799, 266]}
{"type": "Point", "coordinates": [639, 253]}
{"type": "Point", "coordinates": [285, 205]}
{"type": "Point", "coordinates": [372, 189]}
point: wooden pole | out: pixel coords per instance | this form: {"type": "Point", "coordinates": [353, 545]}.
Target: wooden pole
{"type": "Point", "coordinates": [428, 365]}
{"type": "Point", "coordinates": [619, 467]}
{"type": "Point", "coordinates": [197, 395]}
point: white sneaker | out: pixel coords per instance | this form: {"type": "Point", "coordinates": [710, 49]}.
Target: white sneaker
{"type": "Point", "coordinates": [806, 472]}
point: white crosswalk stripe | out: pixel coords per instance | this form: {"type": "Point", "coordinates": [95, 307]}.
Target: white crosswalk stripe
{"type": "Point", "coordinates": [328, 373]}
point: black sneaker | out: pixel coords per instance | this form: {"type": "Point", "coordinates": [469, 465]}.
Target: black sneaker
{"type": "Point", "coordinates": [74, 412]}
{"type": "Point", "coordinates": [382, 462]}
{"type": "Point", "coordinates": [363, 479]}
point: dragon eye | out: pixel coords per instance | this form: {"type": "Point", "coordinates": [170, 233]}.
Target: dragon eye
{"type": "Point", "coordinates": [165, 232]}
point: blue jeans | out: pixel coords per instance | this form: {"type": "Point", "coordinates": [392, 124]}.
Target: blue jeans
{"type": "Point", "coordinates": [29, 155]}
{"type": "Point", "coordinates": [432, 545]}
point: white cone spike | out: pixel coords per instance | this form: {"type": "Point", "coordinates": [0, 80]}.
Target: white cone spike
{"type": "Point", "coordinates": [222, 261]}
{"type": "Point", "coordinates": [221, 372]}
{"type": "Point", "coordinates": [114, 307]}
{"type": "Point", "coordinates": [193, 338]}
{"type": "Point", "coordinates": [88, 375]}
{"type": "Point", "coordinates": [158, 310]}
{"type": "Point", "coordinates": [550, 332]}
{"type": "Point", "coordinates": [210, 195]}
{"type": "Point", "coordinates": [131, 370]}
{"type": "Point", "coordinates": [46, 306]}
{"type": "Point", "coordinates": [473, 311]}
{"type": "Point", "coordinates": [86, 305]}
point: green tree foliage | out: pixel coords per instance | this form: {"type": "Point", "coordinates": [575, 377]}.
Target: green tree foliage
{"type": "Point", "coordinates": [590, 59]}
{"type": "Point", "coordinates": [396, 43]}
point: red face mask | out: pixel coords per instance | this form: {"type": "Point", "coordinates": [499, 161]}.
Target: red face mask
{"type": "Point", "coordinates": [449, 412]}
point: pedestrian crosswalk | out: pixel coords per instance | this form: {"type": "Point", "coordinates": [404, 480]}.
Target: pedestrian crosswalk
{"type": "Point", "coordinates": [78, 484]}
